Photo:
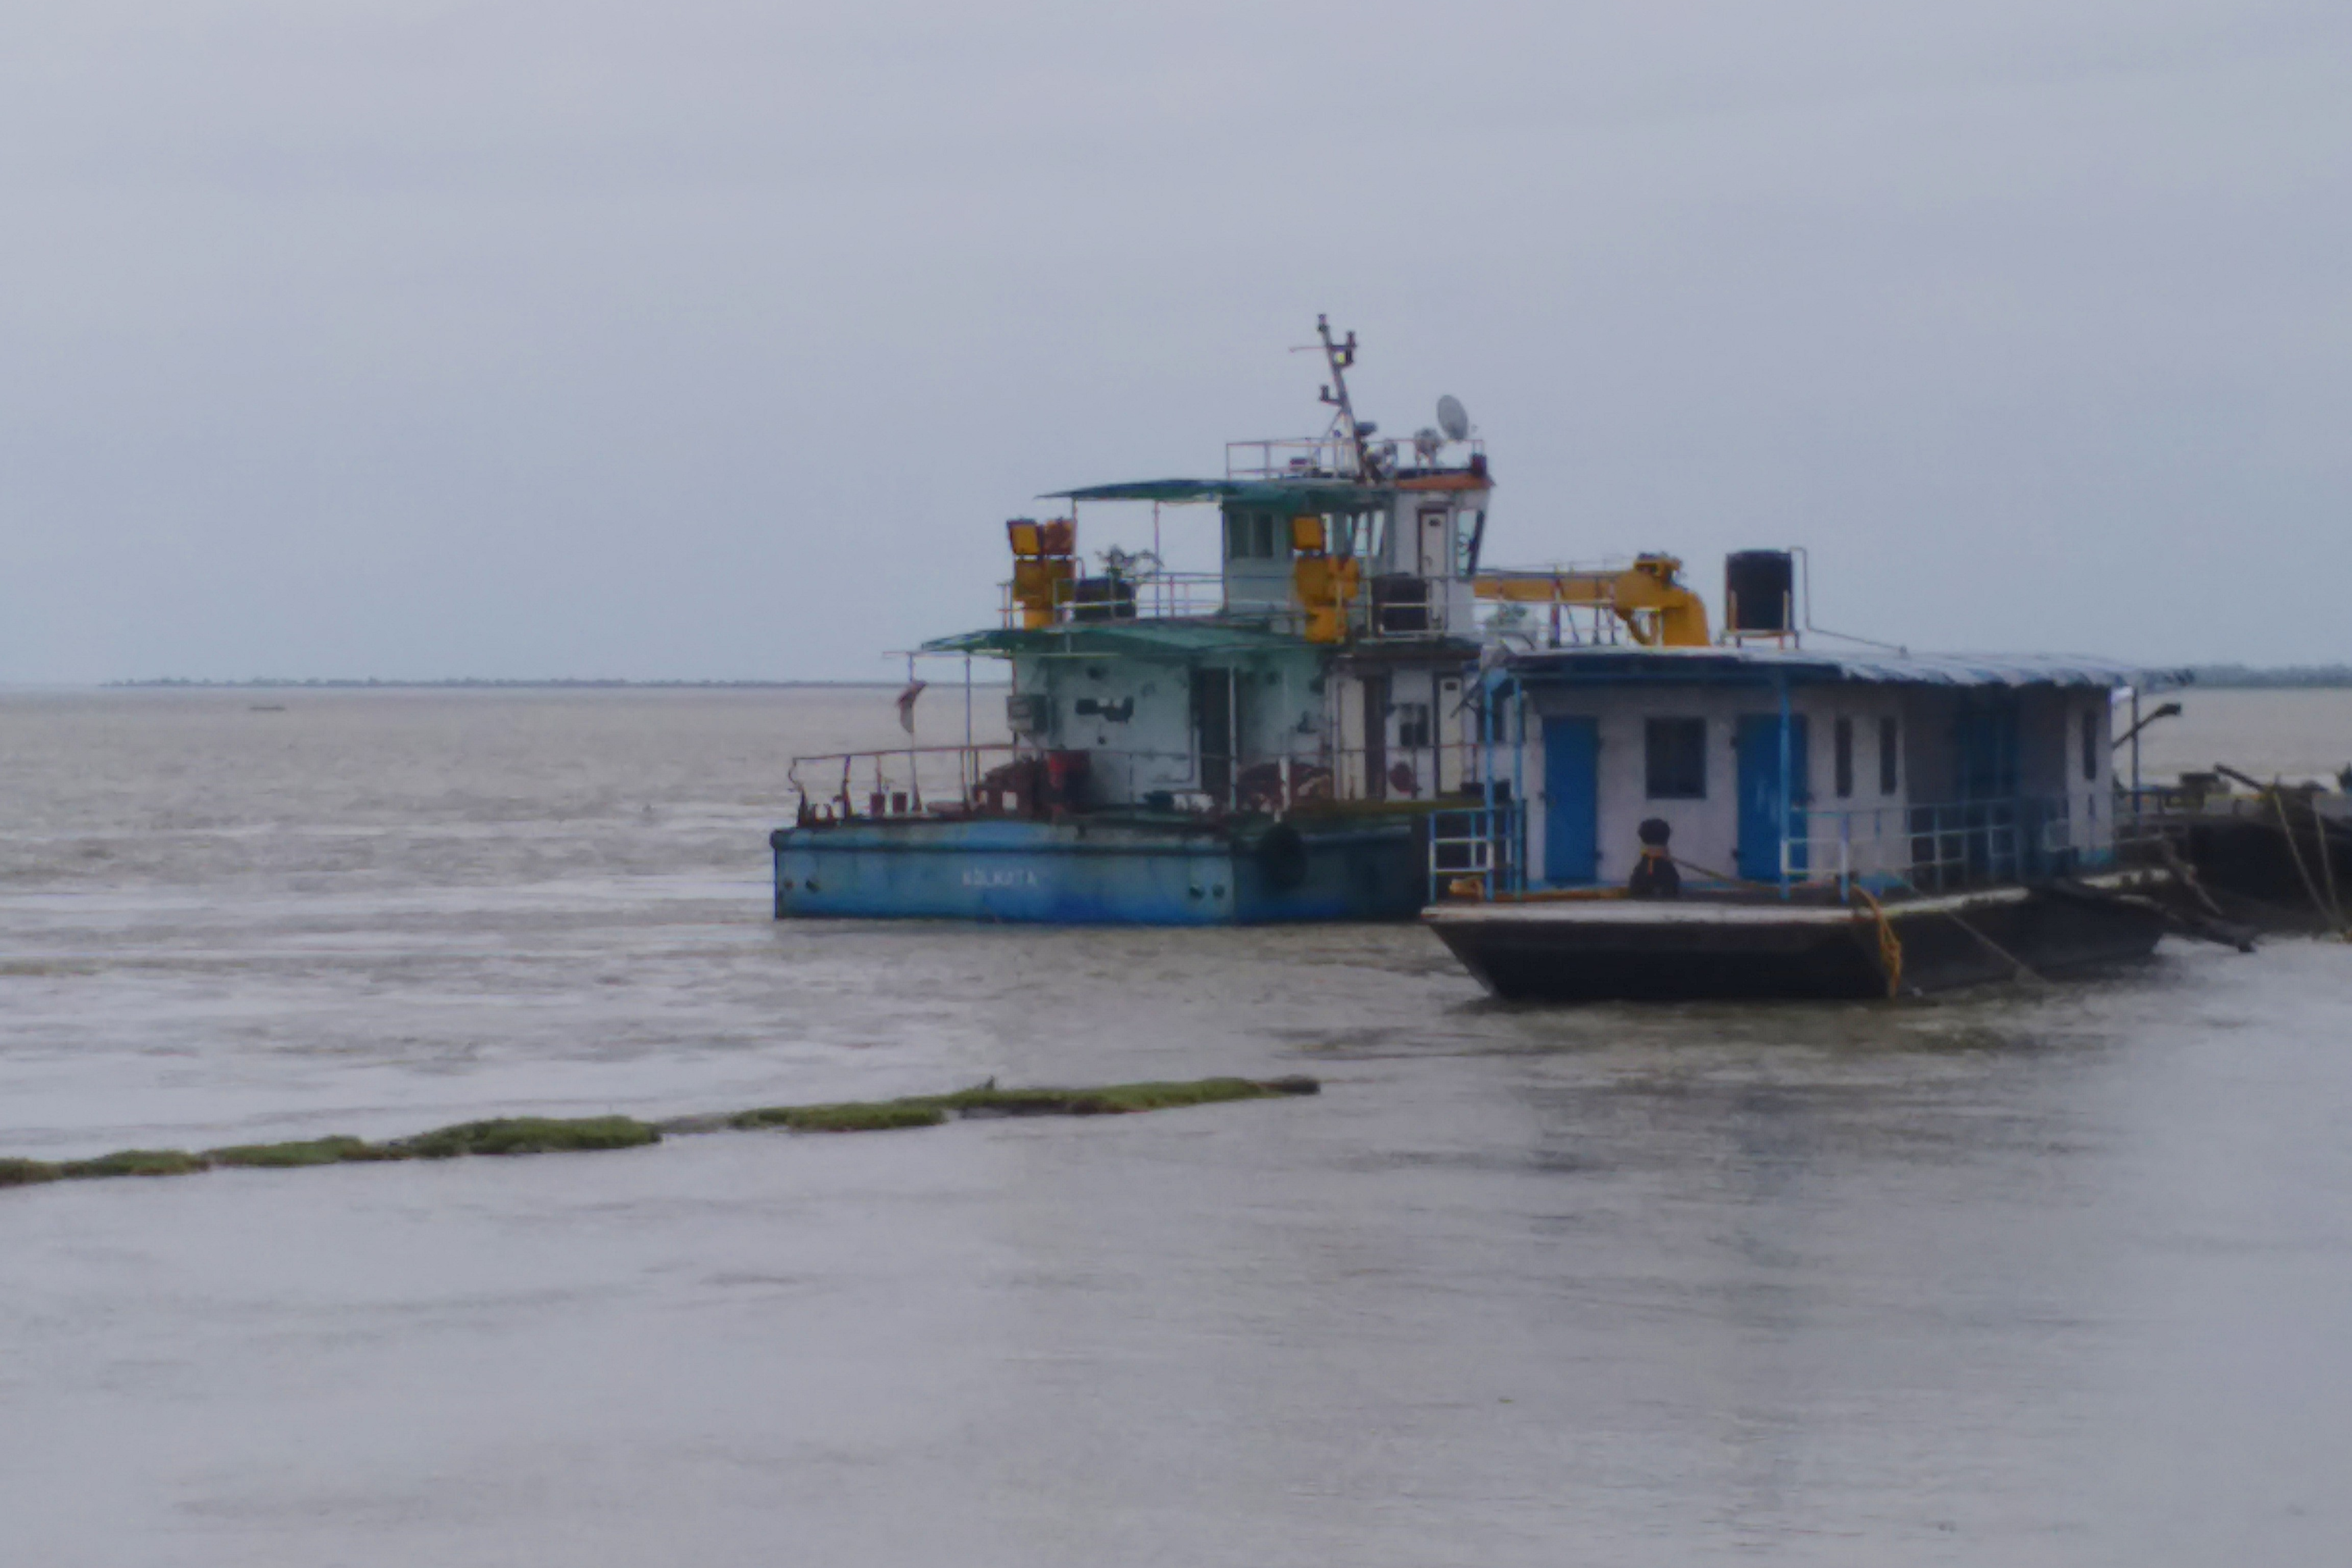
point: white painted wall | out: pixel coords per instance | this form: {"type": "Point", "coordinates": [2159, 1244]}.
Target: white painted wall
{"type": "Point", "coordinates": [1153, 749]}
{"type": "Point", "coordinates": [1706, 831]}
{"type": "Point", "coordinates": [1449, 763]}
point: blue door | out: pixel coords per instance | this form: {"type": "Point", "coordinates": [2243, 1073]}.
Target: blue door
{"type": "Point", "coordinates": [1571, 800]}
{"type": "Point", "coordinates": [1765, 807]}
{"type": "Point", "coordinates": [2001, 841]}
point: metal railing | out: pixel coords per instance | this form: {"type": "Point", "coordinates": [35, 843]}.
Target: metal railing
{"type": "Point", "coordinates": [1320, 457]}
{"type": "Point", "coordinates": [1479, 846]}
{"type": "Point", "coordinates": [1201, 596]}
{"type": "Point", "coordinates": [1947, 847]}
{"type": "Point", "coordinates": [906, 781]}
{"type": "Point", "coordinates": [1022, 778]}
{"type": "Point", "coordinates": [1324, 457]}
{"type": "Point", "coordinates": [1163, 595]}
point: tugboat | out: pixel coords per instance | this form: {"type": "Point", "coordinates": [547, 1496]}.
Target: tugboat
{"type": "Point", "coordinates": [1292, 738]}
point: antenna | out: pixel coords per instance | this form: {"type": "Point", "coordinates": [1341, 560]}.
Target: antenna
{"type": "Point", "coordinates": [1341, 356]}
{"type": "Point", "coordinates": [1452, 418]}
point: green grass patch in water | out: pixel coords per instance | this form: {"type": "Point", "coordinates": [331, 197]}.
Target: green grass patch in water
{"type": "Point", "coordinates": [530, 1136]}
{"type": "Point", "coordinates": [850, 1116]}
{"type": "Point", "coordinates": [988, 1100]}
{"type": "Point", "coordinates": [302, 1152]}
{"type": "Point", "coordinates": [135, 1163]}
{"type": "Point", "coordinates": [556, 1135]}
{"type": "Point", "coordinates": [25, 1172]}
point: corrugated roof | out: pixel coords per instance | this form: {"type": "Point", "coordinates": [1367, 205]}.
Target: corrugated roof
{"type": "Point", "coordinates": [1300, 494]}
{"type": "Point", "coordinates": [1804, 666]}
{"type": "Point", "coordinates": [1131, 639]}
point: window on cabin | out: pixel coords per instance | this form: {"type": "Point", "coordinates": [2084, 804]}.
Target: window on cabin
{"type": "Point", "coordinates": [1256, 536]}
{"type": "Point", "coordinates": [1674, 758]}
{"type": "Point", "coordinates": [1890, 750]}
{"type": "Point", "coordinates": [1844, 752]}
{"type": "Point", "coordinates": [2090, 747]}
{"type": "Point", "coordinates": [1412, 725]}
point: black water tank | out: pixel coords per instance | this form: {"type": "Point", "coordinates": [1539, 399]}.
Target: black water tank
{"type": "Point", "coordinates": [1760, 591]}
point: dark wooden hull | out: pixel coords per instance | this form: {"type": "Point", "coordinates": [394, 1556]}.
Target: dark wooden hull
{"type": "Point", "coordinates": [2244, 862]}
{"type": "Point", "coordinates": [1694, 949]}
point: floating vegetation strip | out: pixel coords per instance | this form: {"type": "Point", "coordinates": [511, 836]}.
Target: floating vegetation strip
{"type": "Point", "coordinates": [930, 1110]}
{"type": "Point", "coordinates": [25, 1172]}
{"type": "Point", "coordinates": [851, 1116]}
{"type": "Point", "coordinates": [509, 1135]}
{"type": "Point", "coordinates": [531, 1135]}
{"type": "Point", "coordinates": [309, 1152]}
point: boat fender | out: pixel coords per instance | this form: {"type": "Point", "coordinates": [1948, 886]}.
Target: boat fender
{"type": "Point", "coordinates": [1282, 857]}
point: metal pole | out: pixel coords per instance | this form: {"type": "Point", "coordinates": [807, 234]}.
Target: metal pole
{"type": "Point", "coordinates": [1232, 736]}
{"type": "Point", "coordinates": [1519, 785]}
{"type": "Point", "coordinates": [1494, 827]}
{"type": "Point", "coordinates": [1845, 856]}
{"type": "Point", "coordinates": [1284, 809]}
{"type": "Point", "coordinates": [2135, 740]}
{"type": "Point", "coordinates": [970, 758]}
{"type": "Point", "coordinates": [1788, 795]}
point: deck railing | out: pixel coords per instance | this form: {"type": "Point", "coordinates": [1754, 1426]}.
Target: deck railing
{"type": "Point", "coordinates": [1290, 457]}
{"type": "Point", "coordinates": [1395, 608]}
{"type": "Point", "coordinates": [1023, 779]}
{"type": "Point", "coordinates": [1022, 776]}
{"type": "Point", "coordinates": [1321, 457]}
{"type": "Point", "coordinates": [1163, 595]}
{"type": "Point", "coordinates": [1478, 845]}
{"type": "Point", "coordinates": [1945, 846]}
{"type": "Point", "coordinates": [904, 781]}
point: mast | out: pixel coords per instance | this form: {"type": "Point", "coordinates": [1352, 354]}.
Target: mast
{"type": "Point", "coordinates": [1340, 356]}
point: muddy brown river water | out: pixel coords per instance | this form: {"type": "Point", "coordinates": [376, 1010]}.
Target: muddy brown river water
{"type": "Point", "coordinates": [2017, 1276]}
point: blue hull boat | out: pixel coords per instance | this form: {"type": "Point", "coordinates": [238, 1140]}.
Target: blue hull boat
{"type": "Point", "coordinates": [1280, 739]}
{"type": "Point", "coordinates": [1101, 868]}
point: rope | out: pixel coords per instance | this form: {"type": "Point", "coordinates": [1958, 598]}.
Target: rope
{"type": "Point", "coordinates": [2327, 866]}
{"type": "Point", "coordinates": [2326, 853]}
{"type": "Point", "coordinates": [1886, 937]}
{"type": "Point", "coordinates": [2295, 851]}
{"type": "Point", "coordinates": [2023, 971]}
{"type": "Point", "coordinates": [1890, 946]}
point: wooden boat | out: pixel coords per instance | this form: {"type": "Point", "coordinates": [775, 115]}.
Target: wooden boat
{"type": "Point", "coordinates": [1760, 946]}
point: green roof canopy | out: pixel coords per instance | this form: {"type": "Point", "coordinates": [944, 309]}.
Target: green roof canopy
{"type": "Point", "coordinates": [1174, 641]}
{"type": "Point", "coordinates": [1295, 495]}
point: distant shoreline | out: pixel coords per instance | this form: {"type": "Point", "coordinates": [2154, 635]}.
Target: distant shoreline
{"type": "Point", "coordinates": [484, 685]}
{"type": "Point", "coordinates": [2209, 676]}
{"type": "Point", "coordinates": [2250, 677]}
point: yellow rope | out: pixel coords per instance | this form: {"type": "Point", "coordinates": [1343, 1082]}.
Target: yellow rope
{"type": "Point", "coordinates": [1890, 946]}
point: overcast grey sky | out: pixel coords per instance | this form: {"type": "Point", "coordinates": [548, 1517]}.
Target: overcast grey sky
{"type": "Point", "coordinates": [717, 340]}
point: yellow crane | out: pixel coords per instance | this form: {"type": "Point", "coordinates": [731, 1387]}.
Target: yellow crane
{"type": "Point", "coordinates": [1648, 596]}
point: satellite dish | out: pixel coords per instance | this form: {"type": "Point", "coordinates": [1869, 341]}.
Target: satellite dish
{"type": "Point", "coordinates": [1452, 418]}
